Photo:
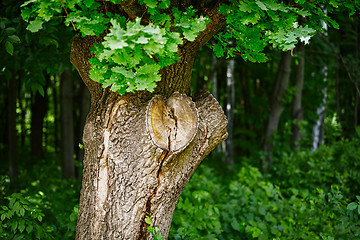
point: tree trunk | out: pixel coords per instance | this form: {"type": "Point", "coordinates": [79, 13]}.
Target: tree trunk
{"type": "Point", "coordinates": [67, 129]}
{"type": "Point", "coordinates": [230, 110]}
{"type": "Point", "coordinates": [297, 111]}
{"type": "Point", "coordinates": [38, 112]}
{"type": "Point", "coordinates": [126, 176]}
{"type": "Point", "coordinates": [276, 106]}
{"type": "Point", "coordinates": [13, 168]}
{"type": "Point", "coordinates": [84, 106]}
{"type": "Point", "coordinates": [357, 80]}
{"type": "Point", "coordinates": [318, 127]}
{"type": "Point", "coordinates": [56, 112]}
{"type": "Point", "coordinates": [22, 100]}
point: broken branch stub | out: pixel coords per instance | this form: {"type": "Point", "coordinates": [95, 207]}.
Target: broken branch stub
{"type": "Point", "coordinates": [172, 123]}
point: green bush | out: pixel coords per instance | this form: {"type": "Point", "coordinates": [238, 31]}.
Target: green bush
{"type": "Point", "coordinates": [41, 205]}
{"type": "Point", "coordinates": [308, 196]}
{"type": "Point", "coordinates": [22, 218]}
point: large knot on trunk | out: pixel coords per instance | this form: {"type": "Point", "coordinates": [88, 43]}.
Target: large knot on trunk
{"type": "Point", "coordinates": [173, 122]}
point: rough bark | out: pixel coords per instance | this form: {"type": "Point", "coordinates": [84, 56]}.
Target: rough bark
{"type": "Point", "coordinates": [297, 111]}
{"type": "Point", "coordinates": [276, 106]}
{"type": "Point", "coordinates": [126, 176]}
{"type": "Point", "coordinates": [67, 129]}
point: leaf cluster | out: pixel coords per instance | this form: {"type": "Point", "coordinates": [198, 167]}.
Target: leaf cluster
{"type": "Point", "coordinates": [8, 35]}
{"type": "Point", "coordinates": [154, 230]}
{"type": "Point", "coordinates": [22, 218]}
{"type": "Point", "coordinates": [133, 51]}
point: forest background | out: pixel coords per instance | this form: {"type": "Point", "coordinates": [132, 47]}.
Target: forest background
{"type": "Point", "coordinates": [288, 174]}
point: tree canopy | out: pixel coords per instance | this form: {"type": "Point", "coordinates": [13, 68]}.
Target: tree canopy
{"type": "Point", "coordinates": [141, 37]}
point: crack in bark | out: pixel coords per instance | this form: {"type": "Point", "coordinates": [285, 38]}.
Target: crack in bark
{"type": "Point", "coordinates": [165, 154]}
{"type": "Point", "coordinates": [204, 141]}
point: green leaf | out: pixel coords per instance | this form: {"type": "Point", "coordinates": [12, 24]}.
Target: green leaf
{"type": "Point", "coordinates": [261, 5]}
{"type": "Point", "coordinates": [21, 225]}
{"type": "Point", "coordinates": [351, 206]}
{"type": "Point", "coordinates": [14, 225]}
{"type": "Point", "coordinates": [151, 3]}
{"type": "Point", "coordinates": [10, 30]}
{"type": "Point", "coordinates": [22, 211]}
{"type": "Point", "coordinates": [14, 39]}
{"type": "Point", "coordinates": [9, 48]}
{"type": "Point", "coordinates": [35, 25]}
{"type": "Point", "coordinates": [88, 3]}
{"type": "Point", "coordinates": [148, 220]}
{"type": "Point", "coordinates": [27, 3]}
{"type": "Point", "coordinates": [29, 228]}
{"type": "Point", "coordinates": [190, 35]}
{"type": "Point", "coordinates": [73, 217]}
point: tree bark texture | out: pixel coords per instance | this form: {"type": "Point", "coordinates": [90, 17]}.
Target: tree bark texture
{"type": "Point", "coordinates": [297, 111]}
{"type": "Point", "coordinates": [67, 129]}
{"type": "Point", "coordinates": [126, 176]}
{"type": "Point", "coordinates": [276, 106]}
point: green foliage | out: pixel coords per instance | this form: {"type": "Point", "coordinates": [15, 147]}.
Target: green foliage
{"type": "Point", "coordinates": [252, 25]}
{"type": "Point", "coordinates": [22, 218]}
{"type": "Point", "coordinates": [155, 232]}
{"type": "Point", "coordinates": [131, 54]}
{"type": "Point", "coordinates": [8, 35]}
{"type": "Point", "coordinates": [44, 207]}
{"type": "Point", "coordinates": [305, 204]}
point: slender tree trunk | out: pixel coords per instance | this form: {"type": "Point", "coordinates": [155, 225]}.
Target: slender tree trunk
{"type": "Point", "coordinates": [84, 100]}
{"type": "Point", "coordinates": [230, 110]}
{"type": "Point", "coordinates": [337, 89]}
{"type": "Point", "coordinates": [12, 156]}
{"type": "Point", "coordinates": [318, 128]}
{"type": "Point", "coordinates": [21, 101]}
{"type": "Point", "coordinates": [246, 95]}
{"type": "Point", "coordinates": [357, 80]}
{"type": "Point", "coordinates": [56, 113]}
{"type": "Point", "coordinates": [213, 77]}
{"type": "Point", "coordinates": [297, 111]}
{"type": "Point", "coordinates": [38, 112]}
{"type": "Point", "coordinates": [67, 129]}
{"type": "Point", "coordinates": [276, 106]}
{"type": "Point", "coordinates": [126, 175]}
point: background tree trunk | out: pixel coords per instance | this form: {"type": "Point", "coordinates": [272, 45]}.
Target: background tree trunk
{"type": "Point", "coordinates": [276, 107]}
{"type": "Point", "coordinates": [84, 106]}
{"type": "Point", "coordinates": [67, 129]}
{"type": "Point", "coordinates": [38, 112]}
{"type": "Point", "coordinates": [297, 111]}
{"type": "Point", "coordinates": [230, 106]}
{"type": "Point", "coordinates": [357, 78]}
{"type": "Point", "coordinates": [12, 153]}
{"type": "Point", "coordinates": [318, 127]}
